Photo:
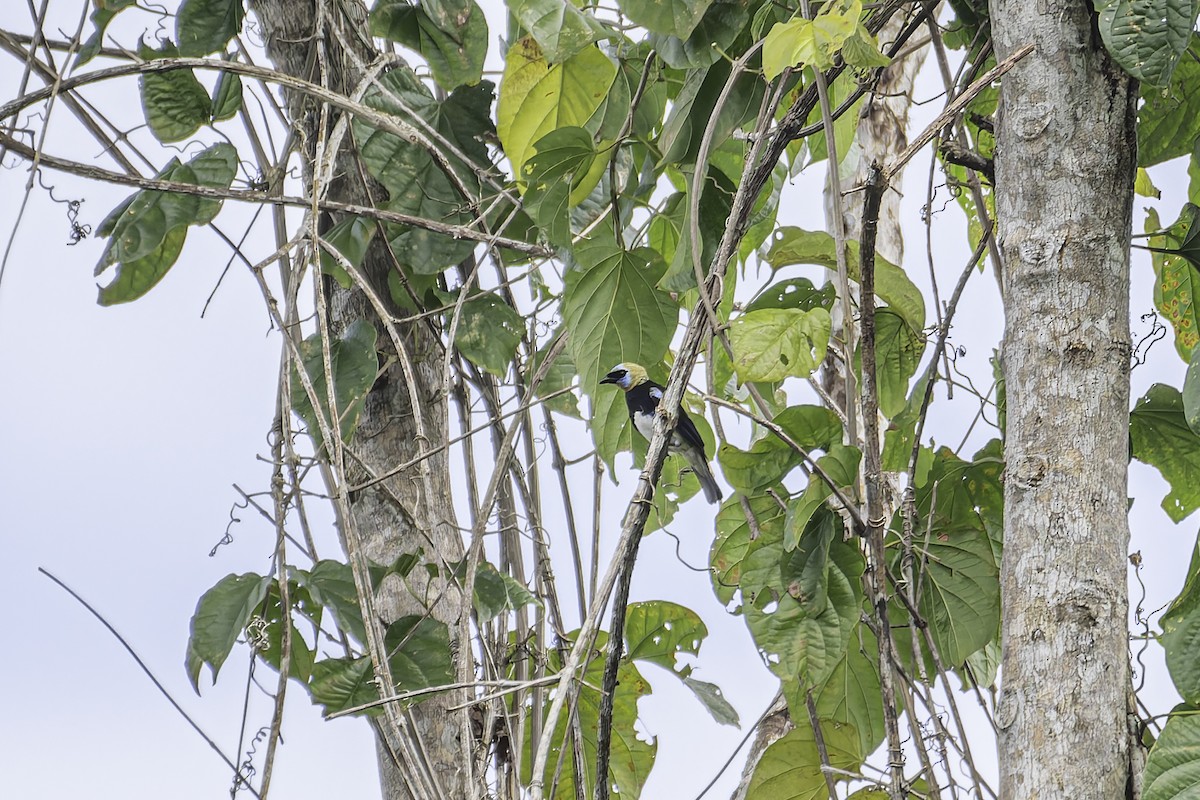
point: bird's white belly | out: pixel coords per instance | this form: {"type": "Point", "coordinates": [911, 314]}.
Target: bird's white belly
{"type": "Point", "coordinates": [645, 426]}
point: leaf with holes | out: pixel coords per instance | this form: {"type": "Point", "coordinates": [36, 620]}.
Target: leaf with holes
{"type": "Point", "coordinates": [657, 631]}
{"type": "Point", "coordinates": [631, 756]}
{"type": "Point", "coordinates": [559, 28]}
{"type": "Point", "coordinates": [1146, 37]}
{"type": "Point", "coordinates": [773, 344]}
{"type": "Point", "coordinates": [1176, 259]}
{"type": "Point", "coordinates": [798, 246]}
{"type": "Point", "coordinates": [489, 330]}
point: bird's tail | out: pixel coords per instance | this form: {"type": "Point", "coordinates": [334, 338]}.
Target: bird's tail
{"type": "Point", "coordinates": [696, 460]}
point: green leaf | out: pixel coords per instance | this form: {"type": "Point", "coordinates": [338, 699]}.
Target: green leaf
{"type": "Point", "coordinates": [331, 584]}
{"type": "Point", "coordinates": [146, 232]}
{"type": "Point", "coordinates": [537, 98]}
{"type": "Point", "coordinates": [657, 631]}
{"type": "Point", "coordinates": [1177, 270]}
{"type": "Point", "coordinates": [342, 683]}
{"type": "Point", "coordinates": [227, 96]}
{"type": "Point", "coordinates": [560, 375]}
{"type": "Point", "coordinates": [769, 459]}
{"type": "Point", "coordinates": [418, 649]}
{"type": "Point", "coordinates": [498, 592]}
{"type": "Point", "coordinates": [716, 201]}
{"type": "Point", "coordinates": [841, 465]}
{"type": "Point", "coordinates": [455, 47]}
{"type": "Point", "coordinates": [561, 173]}
{"type": "Point", "coordinates": [350, 237]}
{"type": "Point", "coordinates": [716, 32]}
{"type": "Point", "coordinates": [798, 246]}
{"type": "Point", "coordinates": [354, 362]}
{"type": "Point", "coordinates": [1161, 437]}
{"type": "Point", "coordinates": [631, 756]}
{"type": "Point", "coordinates": [1146, 37]}
{"type": "Point", "coordinates": [960, 597]}
{"type": "Point", "coordinates": [206, 26]}
{"type": "Point", "coordinates": [803, 42]}
{"type": "Point", "coordinates": [1191, 393]}
{"type": "Point", "coordinates": [794, 293]}
{"type": "Point", "coordinates": [613, 312]}
{"type": "Point", "coordinates": [668, 17]}
{"type": "Point", "coordinates": [850, 694]}
{"type": "Point", "coordinates": [862, 50]}
{"type": "Point", "coordinates": [959, 575]}
{"type": "Point", "coordinates": [1169, 120]}
{"type": "Point", "coordinates": [898, 350]}
{"type": "Point", "coordinates": [489, 330]}
{"type": "Point", "coordinates": [790, 769]}
{"type": "Point", "coordinates": [416, 183]}
{"type": "Point", "coordinates": [175, 103]}
{"type": "Point", "coordinates": [610, 426]}
{"type": "Point", "coordinates": [773, 344]}
{"type": "Point", "coordinates": [1181, 634]}
{"type": "Point", "coordinates": [1172, 767]}
{"type": "Point", "coordinates": [560, 29]}
{"type": "Point", "coordinates": [221, 616]}
{"type": "Point", "coordinates": [694, 106]}
{"type": "Point", "coordinates": [803, 642]}
{"type": "Point", "coordinates": [714, 701]}
{"type": "Point", "coordinates": [400, 567]}
{"type": "Point", "coordinates": [269, 639]}
{"type": "Point", "coordinates": [737, 539]}
{"type": "Point", "coordinates": [102, 14]}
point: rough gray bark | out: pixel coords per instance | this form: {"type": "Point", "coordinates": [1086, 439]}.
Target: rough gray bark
{"type": "Point", "coordinates": [411, 512]}
{"type": "Point", "coordinates": [1064, 182]}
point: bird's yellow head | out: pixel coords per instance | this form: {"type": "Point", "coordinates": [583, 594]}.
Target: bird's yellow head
{"type": "Point", "coordinates": [626, 376]}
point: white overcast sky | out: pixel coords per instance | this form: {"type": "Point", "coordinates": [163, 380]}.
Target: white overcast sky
{"type": "Point", "coordinates": [123, 430]}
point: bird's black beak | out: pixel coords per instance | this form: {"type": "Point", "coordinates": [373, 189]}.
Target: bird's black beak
{"type": "Point", "coordinates": [612, 377]}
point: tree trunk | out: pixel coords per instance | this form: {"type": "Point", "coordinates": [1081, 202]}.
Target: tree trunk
{"type": "Point", "coordinates": [1064, 186]}
{"type": "Point", "coordinates": [411, 512]}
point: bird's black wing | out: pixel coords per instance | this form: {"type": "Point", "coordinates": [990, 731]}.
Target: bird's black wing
{"type": "Point", "coordinates": [683, 425]}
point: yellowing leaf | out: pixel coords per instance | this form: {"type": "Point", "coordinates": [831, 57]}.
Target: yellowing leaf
{"type": "Point", "coordinates": [536, 98]}
{"type": "Point", "coordinates": [776, 343]}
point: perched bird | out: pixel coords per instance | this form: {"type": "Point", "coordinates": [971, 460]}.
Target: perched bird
{"type": "Point", "coordinates": [643, 395]}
